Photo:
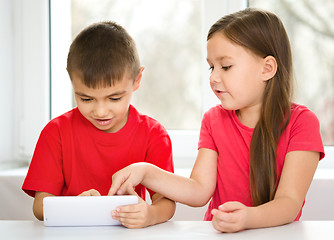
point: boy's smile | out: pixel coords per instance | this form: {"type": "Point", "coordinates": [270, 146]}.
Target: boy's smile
{"type": "Point", "coordinates": [103, 122]}
{"type": "Point", "coordinates": [105, 107]}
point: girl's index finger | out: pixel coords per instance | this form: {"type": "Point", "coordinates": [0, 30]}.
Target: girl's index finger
{"type": "Point", "coordinates": [114, 188]}
{"type": "Point", "coordinates": [117, 186]}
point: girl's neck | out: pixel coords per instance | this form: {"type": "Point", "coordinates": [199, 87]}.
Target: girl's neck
{"type": "Point", "coordinates": [249, 117]}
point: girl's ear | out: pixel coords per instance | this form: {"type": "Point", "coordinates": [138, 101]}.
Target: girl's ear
{"type": "Point", "coordinates": [269, 68]}
{"type": "Point", "coordinates": [138, 79]}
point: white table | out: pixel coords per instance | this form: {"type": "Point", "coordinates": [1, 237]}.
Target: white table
{"type": "Point", "coordinates": [172, 230]}
{"type": "Point", "coordinates": [16, 205]}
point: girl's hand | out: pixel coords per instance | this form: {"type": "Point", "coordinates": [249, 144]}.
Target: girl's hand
{"type": "Point", "coordinates": [230, 217]}
{"type": "Point", "coordinates": [91, 192]}
{"type": "Point", "coordinates": [127, 178]}
{"type": "Point", "coordinates": [133, 216]}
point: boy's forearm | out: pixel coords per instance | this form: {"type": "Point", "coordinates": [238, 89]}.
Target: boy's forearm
{"type": "Point", "coordinates": [161, 209]}
{"type": "Point", "coordinates": [38, 204]}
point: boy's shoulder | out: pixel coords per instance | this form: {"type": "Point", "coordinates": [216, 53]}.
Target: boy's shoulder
{"type": "Point", "coordinates": [67, 116]}
{"type": "Point", "coordinates": [63, 120]}
{"type": "Point", "coordinates": [145, 121]}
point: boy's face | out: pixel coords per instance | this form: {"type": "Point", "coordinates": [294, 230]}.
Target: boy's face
{"type": "Point", "coordinates": [106, 108]}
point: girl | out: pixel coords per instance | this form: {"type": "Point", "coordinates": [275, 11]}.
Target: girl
{"type": "Point", "coordinates": [258, 151]}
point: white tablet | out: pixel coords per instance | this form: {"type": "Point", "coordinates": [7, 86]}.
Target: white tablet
{"type": "Point", "coordinates": [83, 210]}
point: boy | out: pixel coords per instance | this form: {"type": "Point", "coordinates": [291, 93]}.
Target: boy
{"type": "Point", "coordinates": [78, 152]}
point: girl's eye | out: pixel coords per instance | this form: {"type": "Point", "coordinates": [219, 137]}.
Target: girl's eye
{"type": "Point", "coordinates": [226, 67]}
{"type": "Point", "coordinates": [211, 69]}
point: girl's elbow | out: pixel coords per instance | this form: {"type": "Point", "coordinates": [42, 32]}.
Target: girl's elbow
{"type": "Point", "coordinates": [199, 202]}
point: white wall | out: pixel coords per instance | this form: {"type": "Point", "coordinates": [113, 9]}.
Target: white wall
{"type": "Point", "coordinates": [6, 80]}
{"type": "Point", "coordinates": [24, 71]}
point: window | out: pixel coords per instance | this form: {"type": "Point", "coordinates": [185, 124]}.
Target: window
{"type": "Point", "coordinates": [311, 34]}
{"type": "Point", "coordinates": [170, 37]}
{"type": "Point", "coordinates": [29, 99]}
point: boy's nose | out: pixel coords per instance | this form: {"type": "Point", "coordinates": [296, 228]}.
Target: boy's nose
{"type": "Point", "coordinates": [100, 111]}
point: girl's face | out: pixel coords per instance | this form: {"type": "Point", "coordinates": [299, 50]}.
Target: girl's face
{"type": "Point", "coordinates": [106, 108]}
{"type": "Point", "coordinates": [236, 74]}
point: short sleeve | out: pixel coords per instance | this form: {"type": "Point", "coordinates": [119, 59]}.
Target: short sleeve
{"type": "Point", "coordinates": [305, 133]}
{"type": "Point", "coordinates": [45, 170]}
{"type": "Point", "coordinates": [205, 137]}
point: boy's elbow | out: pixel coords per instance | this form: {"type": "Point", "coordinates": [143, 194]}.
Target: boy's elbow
{"type": "Point", "coordinates": [38, 214]}
{"type": "Point", "coordinates": [38, 211]}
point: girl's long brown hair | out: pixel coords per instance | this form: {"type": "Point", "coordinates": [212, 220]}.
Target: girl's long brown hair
{"type": "Point", "coordinates": [263, 33]}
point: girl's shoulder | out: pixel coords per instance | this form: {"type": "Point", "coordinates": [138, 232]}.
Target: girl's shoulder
{"type": "Point", "coordinates": [217, 110]}
{"type": "Point", "coordinates": [302, 113]}
{"type": "Point", "coordinates": [218, 117]}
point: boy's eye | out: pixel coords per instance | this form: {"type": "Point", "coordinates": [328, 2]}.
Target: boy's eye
{"type": "Point", "coordinates": [226, 67]}
{"type": "Point", "coordinates": [86, 99]}
{"type": "Point", "coordinates": [115, 99]}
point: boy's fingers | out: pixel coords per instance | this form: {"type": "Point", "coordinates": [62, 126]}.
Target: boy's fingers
{"type": "Point", "coordinates": [94, 192]}
{"type": "Point", "coordinates": [91, 192]}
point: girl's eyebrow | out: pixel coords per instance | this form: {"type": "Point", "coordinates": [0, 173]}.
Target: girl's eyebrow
{"type": "Point", "coordinates": [221, 58]}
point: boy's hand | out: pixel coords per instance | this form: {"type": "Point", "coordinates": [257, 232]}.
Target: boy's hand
{"type": "Point", "coordinates": [125, 179]}
{"type": "Point", "coordinates": [91, 192]}
{"type": "Point", "coordinates": [133, 216]}
{"type": "Point", "coordinates": [230, 217]}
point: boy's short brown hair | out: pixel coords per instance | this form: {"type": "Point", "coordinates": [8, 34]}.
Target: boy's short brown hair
{"type": "Point", "coordinates": [102, 54]}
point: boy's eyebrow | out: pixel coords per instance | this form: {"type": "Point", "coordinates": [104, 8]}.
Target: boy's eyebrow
{"type": "Point", "coordinates": [111, 95]}
{"type": "Point", "coordinates": [116, 93]}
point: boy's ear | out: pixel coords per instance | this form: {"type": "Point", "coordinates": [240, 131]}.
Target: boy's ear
{"type": "Point", "coordinates": [138, 79]}
{"type": "Point", "coordinates": [269, 68]}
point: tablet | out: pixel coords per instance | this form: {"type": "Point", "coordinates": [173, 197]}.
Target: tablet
{"type": "Point", "coordinates": [83, 210]}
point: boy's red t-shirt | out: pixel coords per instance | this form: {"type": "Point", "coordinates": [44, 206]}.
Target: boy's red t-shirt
{"type": "Point", "coordinates": [222, 132]}
{"type": "Point", "coordinates": [73, 156]}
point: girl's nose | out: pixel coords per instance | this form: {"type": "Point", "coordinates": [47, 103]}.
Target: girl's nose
{"type": "Point", "coordinates": [214, 78]}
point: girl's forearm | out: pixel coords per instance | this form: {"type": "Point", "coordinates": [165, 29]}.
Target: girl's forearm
{"type": "Point", "coordinates": [274, 213]}
{"type": "Point", "coordinates": [178, 188]}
